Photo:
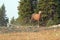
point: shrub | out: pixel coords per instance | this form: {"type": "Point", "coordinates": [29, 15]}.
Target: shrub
{"type": "Point", "coordinates": [50, 22]}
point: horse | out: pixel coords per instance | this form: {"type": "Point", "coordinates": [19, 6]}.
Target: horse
{"type": "Point", "coordinates": [36, 16]}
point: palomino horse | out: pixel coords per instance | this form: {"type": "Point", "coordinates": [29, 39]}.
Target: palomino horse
{"type": "Point", "coordinates": [36, 17]}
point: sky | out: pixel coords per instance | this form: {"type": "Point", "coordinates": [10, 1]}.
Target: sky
{"type": "Point", "coordinates": [11, 8]}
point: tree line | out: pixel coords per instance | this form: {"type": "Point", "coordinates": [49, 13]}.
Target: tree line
{"type": "Point", "coordinates": [50, 8]}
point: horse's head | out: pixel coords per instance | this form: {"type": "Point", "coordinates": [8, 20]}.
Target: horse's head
{"type": "Point", "coordinates": [40, 12]}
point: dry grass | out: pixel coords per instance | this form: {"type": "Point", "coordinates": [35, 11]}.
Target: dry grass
{"type": "Point", "coordinates": [53, 34]}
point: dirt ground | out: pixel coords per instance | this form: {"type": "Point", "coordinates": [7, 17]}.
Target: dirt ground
{"type": "Point", "coordinates": [53, 34]}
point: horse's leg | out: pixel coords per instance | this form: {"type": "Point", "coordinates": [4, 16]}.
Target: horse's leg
{"type": "Point", "coordinates": [31, 20]}
{"type": "Point", "coordinates": [38, 23]}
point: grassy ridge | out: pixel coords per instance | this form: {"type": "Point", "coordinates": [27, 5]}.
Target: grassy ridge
{"type": "Point", "coordinates": [53, 34]}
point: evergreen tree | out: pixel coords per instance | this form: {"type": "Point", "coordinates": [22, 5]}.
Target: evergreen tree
{"type": "Point", "coordinates": [24, 9]}
{"type": "Point", "coordinates": [49, 8]}
{"type": "Point", "coordinates": [12, 20]}
{"type": "Point", "coordinates": [3, 18]}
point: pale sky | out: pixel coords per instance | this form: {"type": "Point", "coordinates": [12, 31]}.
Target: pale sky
{"type": "Point", "coordinates": [11, 7]}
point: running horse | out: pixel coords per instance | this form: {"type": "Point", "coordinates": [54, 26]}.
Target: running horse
{"type": "Point", "coordinates": [36, 17]}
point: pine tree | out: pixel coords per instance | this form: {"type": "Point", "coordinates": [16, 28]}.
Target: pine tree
{"type": "Point", "coordinates": [3, 18]}
{"type": "Point", "coordinates": [49, 8]}
{"type": "Point", "coordinates": [24, 9]}
{"type": "Point", "coordinates": [12, 20]}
